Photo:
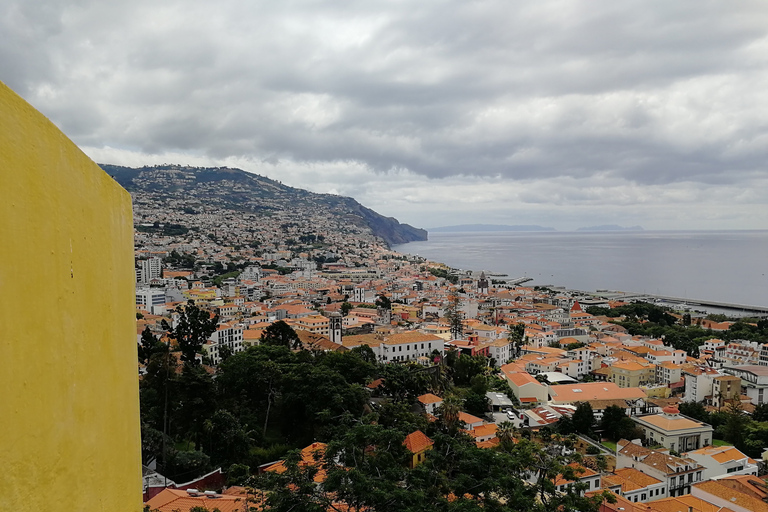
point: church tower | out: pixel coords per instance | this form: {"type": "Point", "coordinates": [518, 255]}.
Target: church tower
{"type": "Point", "coordinates": [482, 284]}
{"type": "Point", "coordinates": [335, 328]}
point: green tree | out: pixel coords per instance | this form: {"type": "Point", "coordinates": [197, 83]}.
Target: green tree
{"type": "Point", "coordinates": [506, 434]}
{"type": "Point", "coordinates": [281, 334]}
{"type": "Point", "coordinates": [465, 367]}
{"type": "Point", "coordinates": [479, 384]}
{"type": "Point", "coordinates": [695, 410]}
{"type": "Point", "coordinates": [760, 413]}
{"type": "Point", "coordinates": [194, 327]}
{"type": "Point", "coordinates": [346, 307]}
{"type": "Point", "coordinates": [615, 424]}
{"type": "Point", "coordinates": [477, 404]}
{"type": "Point", "coordinates": [733, 429]}
{"type": "Point", "coordinates": [584, 419]}
{"type": "Point", "coordinates": [382, 301]}
{"type": "Point", "coordinates": [404, 382]}
{"type": "Point", "coordinates": [149, 345]}
{"type": "Point", "coordinates": [225, 439]}
{"type": "Point", "coordinates": [454, 315]}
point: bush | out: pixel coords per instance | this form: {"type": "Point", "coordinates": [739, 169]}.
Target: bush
{"type": "Point", "coordinates": [592, 450]}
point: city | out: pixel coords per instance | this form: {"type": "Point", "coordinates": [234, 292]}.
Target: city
{"type": "Point", "coordinates": [341, 289]}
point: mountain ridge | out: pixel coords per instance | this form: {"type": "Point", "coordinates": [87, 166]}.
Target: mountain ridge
{"type": "Point", "coordinates": [235, 189]}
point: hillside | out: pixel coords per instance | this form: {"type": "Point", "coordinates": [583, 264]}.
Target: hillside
{"type": "Point", "coordinates": [234, 189]}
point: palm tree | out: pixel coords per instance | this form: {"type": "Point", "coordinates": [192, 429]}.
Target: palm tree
{"type": "Point", "coordinates": [449, 411]}
{"type": "Point", "coordinates": [506, 434]}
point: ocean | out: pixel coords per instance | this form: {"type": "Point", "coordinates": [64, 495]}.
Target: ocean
{"type": "Point", "coordinates": [723, 266]}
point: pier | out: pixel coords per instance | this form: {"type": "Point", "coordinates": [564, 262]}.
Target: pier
{"type": "Point", "coordinates": [647, 297]}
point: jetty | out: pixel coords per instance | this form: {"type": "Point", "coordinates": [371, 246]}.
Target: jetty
{"type": "Point", "coordinates": [647, 297]}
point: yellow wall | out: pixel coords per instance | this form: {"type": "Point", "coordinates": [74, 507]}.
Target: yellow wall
{"type": "Point", "coordinates": [69, 410]}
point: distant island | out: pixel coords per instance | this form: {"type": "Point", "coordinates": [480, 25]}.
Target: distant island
{"type": "Point", "coordinates": [611, 227]}
{"type": "Point", "coordinates": [487, 227]}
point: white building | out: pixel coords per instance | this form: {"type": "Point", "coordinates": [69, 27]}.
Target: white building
{"type": "Point", "coordinates": [149, 269]}
{"type": "Point", "coordinates": [229, 335]}
{"type": "Point", "coordinates": [673, 430]}
{"type": "Point", "coordinates": [754, 381]}
{"type": "Point", "coordinates": [149, 298]}
{"type": "Point", "coordinates": [677, 473]}
{"type": "Point", "coordinates": [698, 383]}
{"type": "Point", "coordinates": [723, 461]}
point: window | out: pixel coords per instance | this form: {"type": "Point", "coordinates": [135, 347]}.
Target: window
{"type": "Point", "coordinates": [662, 490]}
{"type": "Point", "coordinates": [643, 497]}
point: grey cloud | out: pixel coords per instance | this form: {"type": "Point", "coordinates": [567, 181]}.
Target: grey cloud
{"type": "Point", "coordinates": [521, 90]}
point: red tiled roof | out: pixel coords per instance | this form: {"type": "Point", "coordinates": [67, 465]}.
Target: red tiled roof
{"type": "Point", "coordinates": [417, 442]}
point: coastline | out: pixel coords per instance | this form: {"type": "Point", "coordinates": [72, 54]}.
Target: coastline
{"type": "Point", "coordinates": [714, 271]}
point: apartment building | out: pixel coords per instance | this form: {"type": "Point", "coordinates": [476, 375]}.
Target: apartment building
{"type": "Point", "coordinates": [754, 381]}
{"type": "Point", "coordinates": [632, 374]}
{"type": "Point", "coordinates": [677, 474]}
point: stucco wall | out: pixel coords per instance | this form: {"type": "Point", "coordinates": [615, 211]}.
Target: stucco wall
{"type": "Point", "coordinates": [69, 415]}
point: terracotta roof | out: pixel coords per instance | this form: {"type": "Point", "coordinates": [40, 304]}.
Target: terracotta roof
{"type": "Point", "coordinates": [490, 443]}
{"type": "Point", "coordinates": [429, 398]}
{"type": "Point", "coordinates": [469, 419]}
{"type": "Point", "coordinates": [417, 442]}
{"type": "Point", "coordinates": [636, 477]}
{"type": "Point", "coordinates": [686, 503]}
{"type": "Point", "coordinates": [720, 453]}
{"type": "Point", "coordinates": [312, 455]}
{"type": "Point", "coordinates": [484, 430]}
{"type": "Point", "coordinates": [581, 472]}
{"type": "Point", "coordinates": [593, 391]}
{"type": "Point", "coordinates": [717, 489]}
{"type": "Point", "coordinates": [604, 404]}
{"type": "Point", "coordinates": [670, 423]}
{"type": "Point", "coordinates": [667, 464]}
{"type": "Point", "coordinates": [171, 500]}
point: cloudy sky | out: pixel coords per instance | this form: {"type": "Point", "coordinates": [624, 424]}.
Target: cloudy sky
{"type": "Point", "coordinates": [560, 113]}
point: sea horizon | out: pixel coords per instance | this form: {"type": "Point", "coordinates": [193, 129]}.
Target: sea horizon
{"type": "Point", "coordinates": [710, 265]}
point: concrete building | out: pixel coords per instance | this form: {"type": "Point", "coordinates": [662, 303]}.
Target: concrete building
{"type": "Point", "coordinates": [698, 383]}
{"type": "Point", "coordinates": [634, 485]}
{"type": "Point", "coordinates": [632, 374]}
{"type": "Point", "coordinates": [677, 473]}
{"type": "Point", "coordinates": [723, 461]}
{"type": "Point", "coordinates": [673, 430]}
{"type": "Point", "coordinates": [754, 381]}
{"type": "Point", "coordinates": [725, 389]}
{"type": "Point", "coordinates": [148, 298]}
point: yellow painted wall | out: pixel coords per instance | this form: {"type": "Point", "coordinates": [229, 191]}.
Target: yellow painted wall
{"type": "Point", "coordinates": [69, 408]}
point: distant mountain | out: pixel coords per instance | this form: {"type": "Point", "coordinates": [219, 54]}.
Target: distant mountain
{"type": "Point", "coordinates": [235, 189]}
{"type": "Point", "coordinates": [611, 227]}
{"type": "Point", "coordinates": [487, 227]}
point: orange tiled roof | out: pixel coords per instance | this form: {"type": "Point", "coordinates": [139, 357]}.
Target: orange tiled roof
{"type": "Point", "coordinates": [310, 456]}
{"type": "Point", "coordinates": [417, 442]}
{"type": "Point", "coordinates": [740, 499]}
{"type": "Point", "coordinates": [429, 398]}
{"type": "Point", "coordinates": [171, 500]}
